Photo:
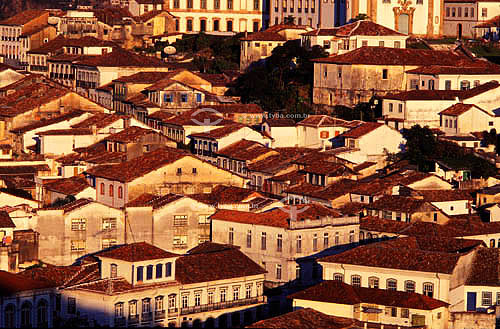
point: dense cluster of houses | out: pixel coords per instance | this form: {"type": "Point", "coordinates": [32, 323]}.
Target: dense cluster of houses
{"type": "Point", "coordinates": [135, 192]}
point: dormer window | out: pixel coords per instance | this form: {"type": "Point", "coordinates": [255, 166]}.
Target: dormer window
{"type": "Point", "coordinates": [168, 270]}
{"type": "Point", "coordinates": [159, 271]}
{"type": "Point", "coordinates": [140, 273]}
{"type": "Point", "coordinates": [149, 272]}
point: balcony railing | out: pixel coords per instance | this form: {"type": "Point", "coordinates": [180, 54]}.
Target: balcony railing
{"type": "Point", "coordinates": [159, 315]}
{"type": "Point", "coordinates": [147, 317]}
{"type": "Point", "coordinates": [222, 305]}
{"type": "Point", "coordinates": [172, 311]}
{"type": "Point", "coordinates": [133, 319]}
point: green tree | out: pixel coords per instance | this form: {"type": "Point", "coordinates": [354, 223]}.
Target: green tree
{"type": "Point", "coordinates": [420, 146]}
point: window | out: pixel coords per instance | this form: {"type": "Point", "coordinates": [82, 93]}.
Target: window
{"type": "Point", "coordinates": [337, 238]}
{"type": "Point", "coordinates": [108, 224]}
{"type": "Point", "coordinates": [203, 219]}
{"type": "Point", "coordinates": [197, 298]}
{"type": "Point", "coordinates": [180, 241]}
{"type": "Point", "coordinates": [102, 188]}
{"type": "Point", "coordinates": [364, 43]}
{"type": "Point", "coordinates": [210, 297]}
{"type": "Point", "coordinates": [410, 286]}
{"type": "Point", "coordinates": [381, 43]}
{"type": "Point", "coordinates": [249, 239]}
{"type": "Point", "coordinates": [120, 192]}
{"type": "Point", "coordinates": [78, 245]}
{"type": "Point", "coordinates": [171, 301]}
{"type": "Point", "coordinates": [230, 26]}
{"type": "Point", "coordinates": [279, 243]}
{"type": "Point", "coordinates": [453, 12]}
{"type": "Point", "coordinates": [223, 294]}
{"type": "Point", "coordinates": [278, 272]}
{"type": "Point", "coordinates": [184, 98]}
{"type": "Point", "coordinates": [119, 310]}
{"type": "Point", "coordinates": [189, 25]}
{"type": "Point", "coordinates": [373, 282]}
{"type": "Point", "coordinates": [184, 301]}
{"type": "Point", "coordinates": [356, 280]}
{"type": "Point", "coordinates": [111, 190]}
{"type": "Point", "coordinates": [71, 305]}
{"type": "Point", "coordinates": [190, 4]}
{"type": "Point", "coordinates": [384, 74]}
{"type": "Point", "coordinates": [216, 4]}
{"type": "Point", "coordinates": [392, 284]}
{"type": "Point", "coordinates": [297, 272]}
{"type": "Point", "coordinates": [180, 220]}
{"type": "Point", "coordinates": [216, 25]}
{"type": "Point", "coordinates": [325, 240]}
{"type": "Point", "coordinates": [113, 271]}
{"type": "Point", "coordinates": [447, 84]}
{"type": "Point", "coordinates": [397, 44]}
{"type": "Point", "coordinates": [78, 224]}
{"type": "Point", "coordinates": [149, 272]}
{"type": "Point", "coordinates": [472, 12]}
{"type": "Point", "coordinates": [351, 236]}
{"type": "Point", "coordinates": [9, 316]}
{"type": "Point", "coordinates": [146, 305]}
{"type": "Point", "coordinates": [465, 85]}
{"type": "Point", "coordinates": [299, 244]}
{"type": "Point", "coordinates": [393, 311]}
{"type": "Point", "coordinates": [203, 4]}
{"type": "Point", "coordinates": [140, 273]}
{"type": "Point", "coordinates": [486, 298]}
{"type": "Point", "coordinates": [405, 313]}
{"type": "Point", "coordinates": [236, 293]}
{"type": "Point", "coordinates": [428, 289]}
{"type": "Point", "coordinates": [248, 291]}
{"type": "Point", "coordinates": [400, 108]}
{"type": "Point", "coordinates": [231, 236]}
{"type": "Point", "coordinates": [159, 271]}
{"type": "Point", "coordinates": [168, 270]}
{"type": "Point", "coordinates": [391, 106]}
{"type": "Point", "coordinates": [448, 12]}
{"type": "Point", "coordinates": [484, 12]}
{"type": "Point", "coordinates": [229, 4]}
{"type": "Point", "coordinates": [338, 277]}
{"type": "Point", "coordinates": [159, 303]}
{"type": "Point", "coordinates": [263, 241]}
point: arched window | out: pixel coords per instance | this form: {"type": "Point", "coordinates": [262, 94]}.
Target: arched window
{"type": "Point", "coordinates": [428, 289]}
{"type": "Point", "coordinates": [338, 277]}
{"type": "Point", "coordinates": [41, 314]}
{"type": "Point", "coordinates": [120, 192]}
{"type": "Point", "coordinates": [26, 315]}
{"type": "Point", "coordinates": [373, 282]}
{"type": "Point", "coordinates": [102, 188]}
{"type": "Point", "coordinates": [111, 190]}
{"type": "Point", "coordinates": [368, 235]}
{"type": "Point", "coordinates": [9, 316]}
{"type": "Point", "coordinates": [410, 286]}
{"type": "Point", "coordinates": [392, 284]}
{"type": "Point", "coordinates": [356, 280]}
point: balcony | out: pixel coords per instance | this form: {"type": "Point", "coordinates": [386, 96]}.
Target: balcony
{"type": "Point", "coordinates": [159, 315]}
{"type": "Point", "coordinates": [133, 319]}
{"type": "Point", "coordinates": [222, 305]}
{"type": "Point", "coordinates": [120, 322]}
{"type": "Point", "coordinates": [172, 311]}
{"type": "Point", "coordinates": [147, 317]}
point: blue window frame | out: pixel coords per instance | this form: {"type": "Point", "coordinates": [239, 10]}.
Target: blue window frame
{"type": "Point", "coordinates": [167, 98]}
{"type": "Point", "coordinates": [168, 270]}
{"type": "Point", "coordinates": [184, 98]}
{"type": "Point", "coordinates": [159, 271]}
{"type": "Point", "coordinates": [149, 272]}
{"type": "Point", "coordinates": [198, 98]}
{"type": "Point", "coordinates": [140, 273]}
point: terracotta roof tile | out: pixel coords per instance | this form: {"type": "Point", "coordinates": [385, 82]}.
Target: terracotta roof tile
{"type": "Point", "coordinates": [446, 195]}
{"type": "Point", "coordinates": [136, 252]}
{"type": "Point", "coordinates": [245, 150]}
{"type": "Point", "coordinates": [23, 17]}
{"type": "Point", "coordinates": [475, 68]}
{"type": "Point", "coordinates": [323, 121]}
{"type": "Point", "coordinates": [11, 283]}
{"type": "Point", "coordinates": [100, 120]}
{"type": "Point", "coordinates": [123, 58]}
{"type": "Point", "coordinates": [264, 36]}
{"type": "Point", "coordinates": [330, 169]}
{"type": "Point", "coordinates": [130, 134]}
{"type": "Point", "coordinates": [400, 204]}
{"type": "Point", "coordinates": [155, 201]}
{"type": "Point", "coordinates": [62, 276]}
{"type": "Point", "coordinates": [485, 268]}
{"type": "Point", "coordinates": [195, 117]}
{"type": "Point", "coordinates": [5, 220]}
{"type": "Point", "coordinates": [69, 207]}
{"type": "Point", "coordinates": [47, 122]}
{"type": "Point", "coordinates": [362, 130]}
{"type": "Point", "coordinates": [144, 77]}
{"type": "Point", "coordinates": [363, 27]}
{"type": "Point", "coordinates": [222, 194]}
{"type": "Point", "coordinates": [219, 132]}
{"type": "Point", "coordinates": [66, 132]}
{"type": "Point", "coordinates": [68, 186]}
{"type": "Point", "coordinates": [394, 56]}
{"type": "Point", "coordinates": [235, 108]}
{"type": "Point", "coordinates": [204, 264]}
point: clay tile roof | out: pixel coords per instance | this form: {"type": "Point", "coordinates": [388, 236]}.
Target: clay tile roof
{"type": "Point", "coordinates": [195, 117]}
{"type": "Point", "coordinates": [364, 165]}
{"type": "Point", "coordinates": [136, 252]}
{"type": "Point", "coordinates": [138, 167]}
{"type": "Point", "coordinates": [338, 292]}
{"type": "Point", "coordinates": [323, 121]}
{"type": "Point", "coordinates": [69, 207]}
{"type": "Point", "coordinates": [144, 77]}
{"type": "Point", "coordinates": [23, 17]}
{"type": "Point", "coordinates": [5, 220]}
{"type": "Point", "coordinates": [245, 150]}
{"type": "Point", "coordinates": [100, 120]}
{"type": "Point", "coordinates": [485, 268]}
{"type": "Point", "coordinates": [276, 217]}
{"type": "Point", "coordinates": [47, 122]}
{"type": "Point", "coordinates": [446, 195]}
{"type": "Point", "coordinates": [307, 318]}
{"type": "Point", "coordinates": [399, 204]}
{"type": "Point", "coordinates": [162, 115]}
{"type": "Point", "coordinates": [363, 27]}
{"type": "Point", "coordinates": [19, 170]}
{"type": "Point", "coordinates": [402, 256]}
{"type": "Point", "coordinates": [459, 109]}
{"type": "Point", "coordinates": [362, 130]}
{"type": "Point", "coordinates": [149, 15]}
{"type": "Point", "coordinates": [52, 46]}
{"type": "Point", "coordinates": [394, 56]}
{"type": "Point", "coordinates": [213, 262]}
{"type": "Point", "coordinates": [475, 68]}
{"type": "Point", "coordinates": [264, 36]}
{"type": "Point", "coordinates": [331, 192]}
{"type": "Point", "coordinates": [155, 201]}
{"type": "Point", "coordinates": [130, 134]}
{"type": "Point", "coordinates": [68, 186]}
{"type": "Point", "coordinates": [62, 276]}
{"type": "Point", "coordinates": [64, 132]}
{"type": "Point", "coordinates": [280, 122]}
{"type": "Point", "coordinates": [222, 194]}
{"type": "Point", "coordinates": [219, 132]}
{"type": "Point", "coordinates": [11, 283]}
{"type": "Point", "coordinates": [28, 98]}
{"type": "Point", "coordinates": [123, 58]}
{"type": "Point", "coordinates": [422, 95]}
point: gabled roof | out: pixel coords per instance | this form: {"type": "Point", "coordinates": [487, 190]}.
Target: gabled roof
{"type": "Point", "coordinates": [394, 56]}
{"type": "Point", "coordinates": [362, 27]}
{"type": "Point", "coordinates": [68, 186]}
{"type": "Point", "coordinates": [69, 207]}
{"type": "Point", "coordinates": [120, 57]}
{"type": "Point", "coordinates": [100, 120]}
{"type": "Point", "coordinates": [362, 130]}
{"type": "Point", "coordinates": [11, 283]}
{"type": "Point", "coordinates": [329, 169]}
{"type": "Point", "coordinates": [400, 256]}
{"type": "Point", "coordinates": [197, 118]}
{"type": "Point", "coordinates": [130, 134]}
{"type": "Point", "coordinates": [323, 121]}
{"type": "Point", "coordinates": [155, 201]}
{"type": "Point", "coordinates": [338, 292]}
{"type": "Point", "coordinates": [446, 195]}
{"type": "Point", "coordinates": [245, 150]}
{"type": "Point", "coordinates": [222, 194]}
{"type": "Point", "coordinates": [331, 192]}
{"type": "Point", "coordinates": [264, 36]}
{"type": "Point", "coordinates": [144, 77]}
{"type": "Point", "coordinates": [5, 220]}
{"type": "Point", "coordinates": [478, 67]}
{"type": "Point", "coordinates": [23, 17]}
{"type": "Point", "coordinates": [150, 14]}
{"type": "Point", "coordinates": [62, 276]}
{"type": "Point", "coordinates": [278, 217]}
{"type": "Point", "coordinates": [220, 132]}
{"type": "Point", "coordinates": [43, 123]}
{"type": "Point", "coordinates": [136, 252]}
{"type": "Point", "coordinates": [400, 204]}
{"type": "Point", "coordinates": [140, 166]}
{"type": "Point", "coordinates": [212, 262]}
{"type": "Point", "coordinates": [460, 108]}
{"type": "Point", "coordinates": [422, 95]}
{"type": "Point", "coordinates": [485, 268]}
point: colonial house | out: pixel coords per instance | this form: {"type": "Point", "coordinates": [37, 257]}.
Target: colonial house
{"type": "Point", "coordinates": [488, 195]}
{"type": "Point", "coordinates": [93, 72]}
{"type": "Point", "coordinates": [257, 46]}
{"type": "Point", "coordinates": [140, 7]}
{"type": "Point", "coordinates": [462, 119]}
{"type": "Point", "coordinates": [249, 114]}
{"type": "Point", "coordinates": [451, 202]}
{"type": "Point", "coordinates": [207, 144]}
{"type": "Point", "coordinates": [315, 131]}
{"type": "Point", "coordinates": [22, 32]}
{"type": "Point", "coordinates": [164, 170]}
{"type": "Point", "coordinates": [9, 75]}
{"type": "Point", "coordinates": [278, 238]}
{"type": "Point", "coordinates": [281, 130]}
{"type": "Point", "coordinates": [461, 18]}
{"type": "Point", "coordinates": [360, 74]}
{"type": "Point", "coordinates": [153, 23]}
{"type": "Point", "coordinates": [405, 109]}
{"type": "Point", "coordinates": [140, 284]}
{"type": "Point", "coordinates": [370, 141]}
{"type": "Point", "coordinates": [171, 221]}
{"type": "Point", "coordinates": [61, 188]}
{"type": "Point", "coordinates": [313, 14]}
{"type": "Point", "coordinates": [338, 40]}
{"type": "Point", "coordinates": [334, 195]}
{"type": "Point", "coordinates": [59, 142]}
{"type": "Point", "coordinates": [373, 305]}
{"type": "Point", "coordinates": [77, 228]}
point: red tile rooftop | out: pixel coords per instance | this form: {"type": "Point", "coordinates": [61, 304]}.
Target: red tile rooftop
{"type": "Point", "coordinates": [67, 186]}
{"type": "Point", "coordinates": [362, 130]}
{"type": "Point", "coordinates": [136, 252]}
{"type": "Point", "coordinates": [362, 27]}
